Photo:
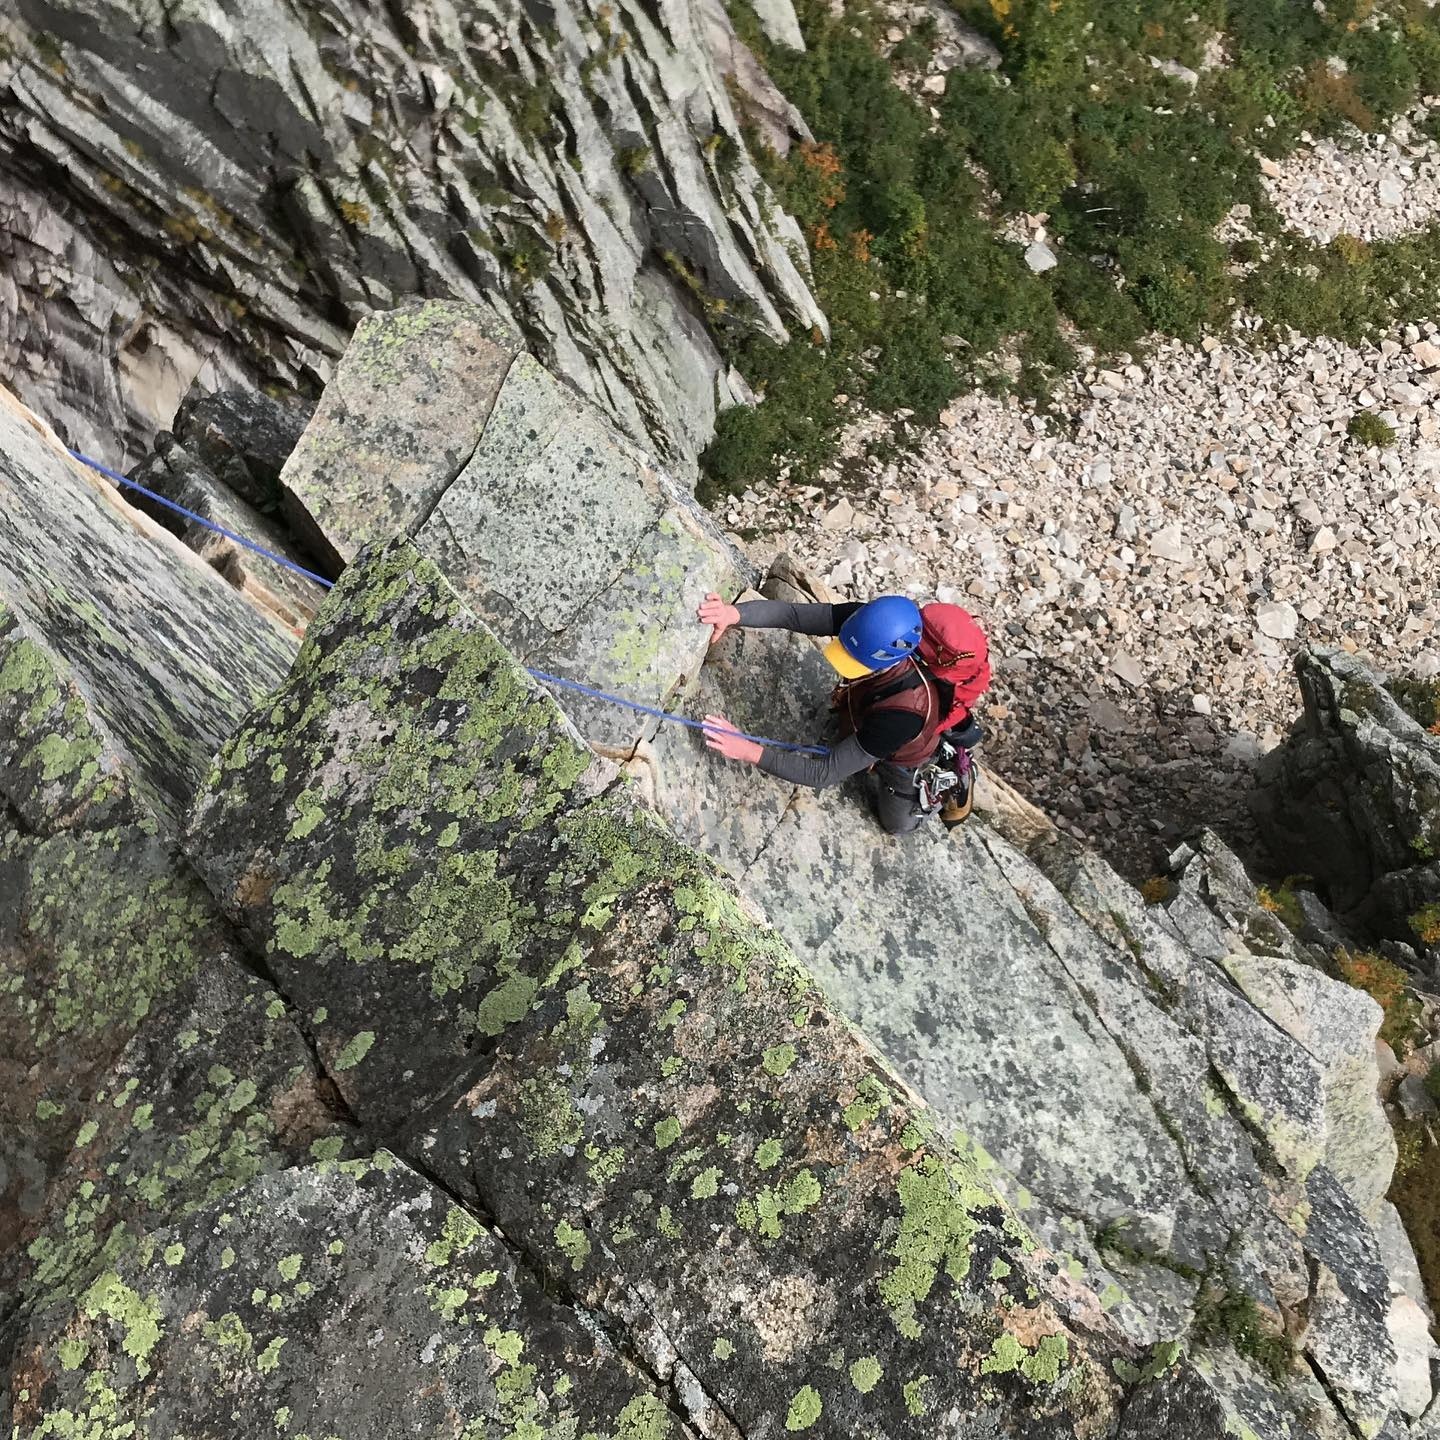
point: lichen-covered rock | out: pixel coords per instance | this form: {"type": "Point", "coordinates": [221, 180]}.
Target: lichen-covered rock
{"type": "Point", "coordinates": [402, 416]}
{"type": "Point", "coordinates": [345, 1297]}
{"type": "Point", "coordinates": [535, 990]}
{"type": "Point", "coordinates": [95, 928]}
{"type": "Point", "coordinates": [592, 559]}
{"type": "Point", "coordinates": [1336, 1024]}
{"type": "Point", "coordinates": [166, 655]}
{"type": "Point", "coordinates": [57, 769]}
{"type": "Point", "coordinates": [1348, 1338]}
{"type": "Point", "coordinates": [215, 1086]}
{"type": "Point", "coordinates": [1182, 1123]}
{"type": "Point", "coordinates": [583, 175]}
{"type": "Point", "coordinates": [1357, 791]}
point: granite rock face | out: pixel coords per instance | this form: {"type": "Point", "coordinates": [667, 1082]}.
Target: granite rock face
{"type": "Point", "coordinates": [554, 526]}
{"type": "Point", "coordinates": [581, 174]}
{"type": "Point", "coordinates": [972, 1141]}
{"type": "Point", "coordinates": [122, 662]}
{"type": "Point", "coordinates": [572, 1021]}
{"type": "Point", "coordinates": [1203, 1079]}
{"type": "Point", "coordinates": [1359, 787]}
{"type": "Point", "coordinates": [167, 655]}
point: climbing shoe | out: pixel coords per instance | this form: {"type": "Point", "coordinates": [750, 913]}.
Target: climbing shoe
{"type": "Point", "coordinates": [959, 803]}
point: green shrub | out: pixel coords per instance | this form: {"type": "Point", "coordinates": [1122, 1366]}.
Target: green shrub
{"type": "Point", "coordinates": [1134, 169]}
{"type": "Point", "coordinates": [1283, 903]}
{"type": "Point", "coordinates": [1389, 986]}
{"type": "Point", "coordinates": [1369, 429]}
{"type": "Point", "coordinates": [1103, 313]}
{"type": "Point", "coordinates": [1419, 699]}
{"type": "Point", "coordinates": [1425, 922]}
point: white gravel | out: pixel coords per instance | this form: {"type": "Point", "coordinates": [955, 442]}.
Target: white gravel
{"type": "Point", "coordinates": [1373, 187]}
{"type": "Point", "coordinates": [1147, 558]}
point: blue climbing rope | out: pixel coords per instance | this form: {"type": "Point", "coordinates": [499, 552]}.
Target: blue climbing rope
{"type": "Point", "coordinates": [685, 720]}
{"type": "Point", "coordinates": [540, 675]}
{"type": "Point", "coordinates": [201, 520]}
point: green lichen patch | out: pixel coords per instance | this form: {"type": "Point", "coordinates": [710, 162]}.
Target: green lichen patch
{"type": "Point", "coordinates": [866, 1373]}
{"type": "Point", "coordinates": [871, 1097]}
{"type": "Point", "coordinates": [574, 1244]}
{"type": "Point", "coordinates": [148, 1163]}
{"type": "Point", "coordinates": [56, 767]}
{"type": "Point", "coordinates": [492, 1348]}
{"type": "Point", "coordinates": [805, 1409]}
{"type": "Point", "coordinates": [609, 948]}
{"type": "Point", "coordinates": [111, 922]}
{"type": "Point", "coordinates": [779, 1058]}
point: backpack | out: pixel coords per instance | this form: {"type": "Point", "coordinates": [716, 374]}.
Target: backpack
{"type": "Point", "coordinates": [954, 649]}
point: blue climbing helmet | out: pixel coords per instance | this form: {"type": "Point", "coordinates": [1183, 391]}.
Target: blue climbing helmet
{"type": "Point", "coordinates": [876, 636]}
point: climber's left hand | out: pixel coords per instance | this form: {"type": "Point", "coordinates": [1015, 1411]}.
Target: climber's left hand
{"type": "Point", "coordinates": [720, 735]}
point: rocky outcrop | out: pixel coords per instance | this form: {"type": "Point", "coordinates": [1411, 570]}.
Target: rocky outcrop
{"type": "Point", "coordinates": [222, 198]}
{"type": "Point", "coordinates": [163, 658]}
{"type": "Point", "coordinates": [1358, 787]}
{"type": "Point", "coordinates": [604, 1052]}
{"type": "Point", "coordinates": [1178, 1098]}
{"type": "Point", "coordinates": [123, 661]}
{"type": "Point", "coordinates": [643, 1181]}
{"type": "Point", "coordinates": [215, 527]}
{"type": "Point", "coordinates": [433, 1036]}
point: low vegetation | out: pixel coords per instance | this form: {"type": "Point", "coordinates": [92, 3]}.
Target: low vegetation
{"type": "Point", "coordinates": [1133, 166]}
{"type": "Point", "coordinates": [1228, 1315]}
{"type": "Point", "coordinates": [1415, 1193]}
{"type": "Point", "coordinates": [1283, 903]}
{"type": "Point", "coordinates": [1388, 985]}
{"type": "Point", "coordinates": [1369, 429]}
{"type": "Point", "coordinates": [1420, 699]}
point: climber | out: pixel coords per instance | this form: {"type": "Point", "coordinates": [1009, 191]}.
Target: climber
{"type": "Point", "coordinates": [909, 678]}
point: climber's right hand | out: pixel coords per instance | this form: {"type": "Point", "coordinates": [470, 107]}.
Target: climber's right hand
{"type": "Point", "coordinates": [714, 611]}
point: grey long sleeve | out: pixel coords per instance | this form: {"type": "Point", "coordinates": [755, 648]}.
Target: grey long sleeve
{"type": "Point", "coordinates": [817, 771]}
{"type": "Point", "coordinates": [813, 619]}
{"type": "Point", "coordinates": [847, 758]}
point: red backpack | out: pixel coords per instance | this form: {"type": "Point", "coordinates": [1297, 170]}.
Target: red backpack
{"type": "Point", "coordinates": [955, 650]}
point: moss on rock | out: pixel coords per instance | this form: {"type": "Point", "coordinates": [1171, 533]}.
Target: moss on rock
{"type": "Point", "coordinates": [524, 1052]}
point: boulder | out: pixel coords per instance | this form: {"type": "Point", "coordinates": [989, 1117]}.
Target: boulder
{"type": "Point", "coordinates": [1358, 787]}
{"type": "Point", "coordinates": [398, 423]}
{"type": "Point", "coordinates": [166, 655]}
{"type": "Point", "coordinates": [1336, 1024]}
{"type": "Point", "coordinates": [243, 438]}
{"type": "Point", "coordinates": [562, 531]}
{"type": "Point", "coordinates": [570, 1019]}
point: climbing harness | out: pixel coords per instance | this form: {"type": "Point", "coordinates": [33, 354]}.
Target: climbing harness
{"type": "Point", "coordinates": [540, 675]}
{"type": "Point", "coordinates": [946, 771]}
